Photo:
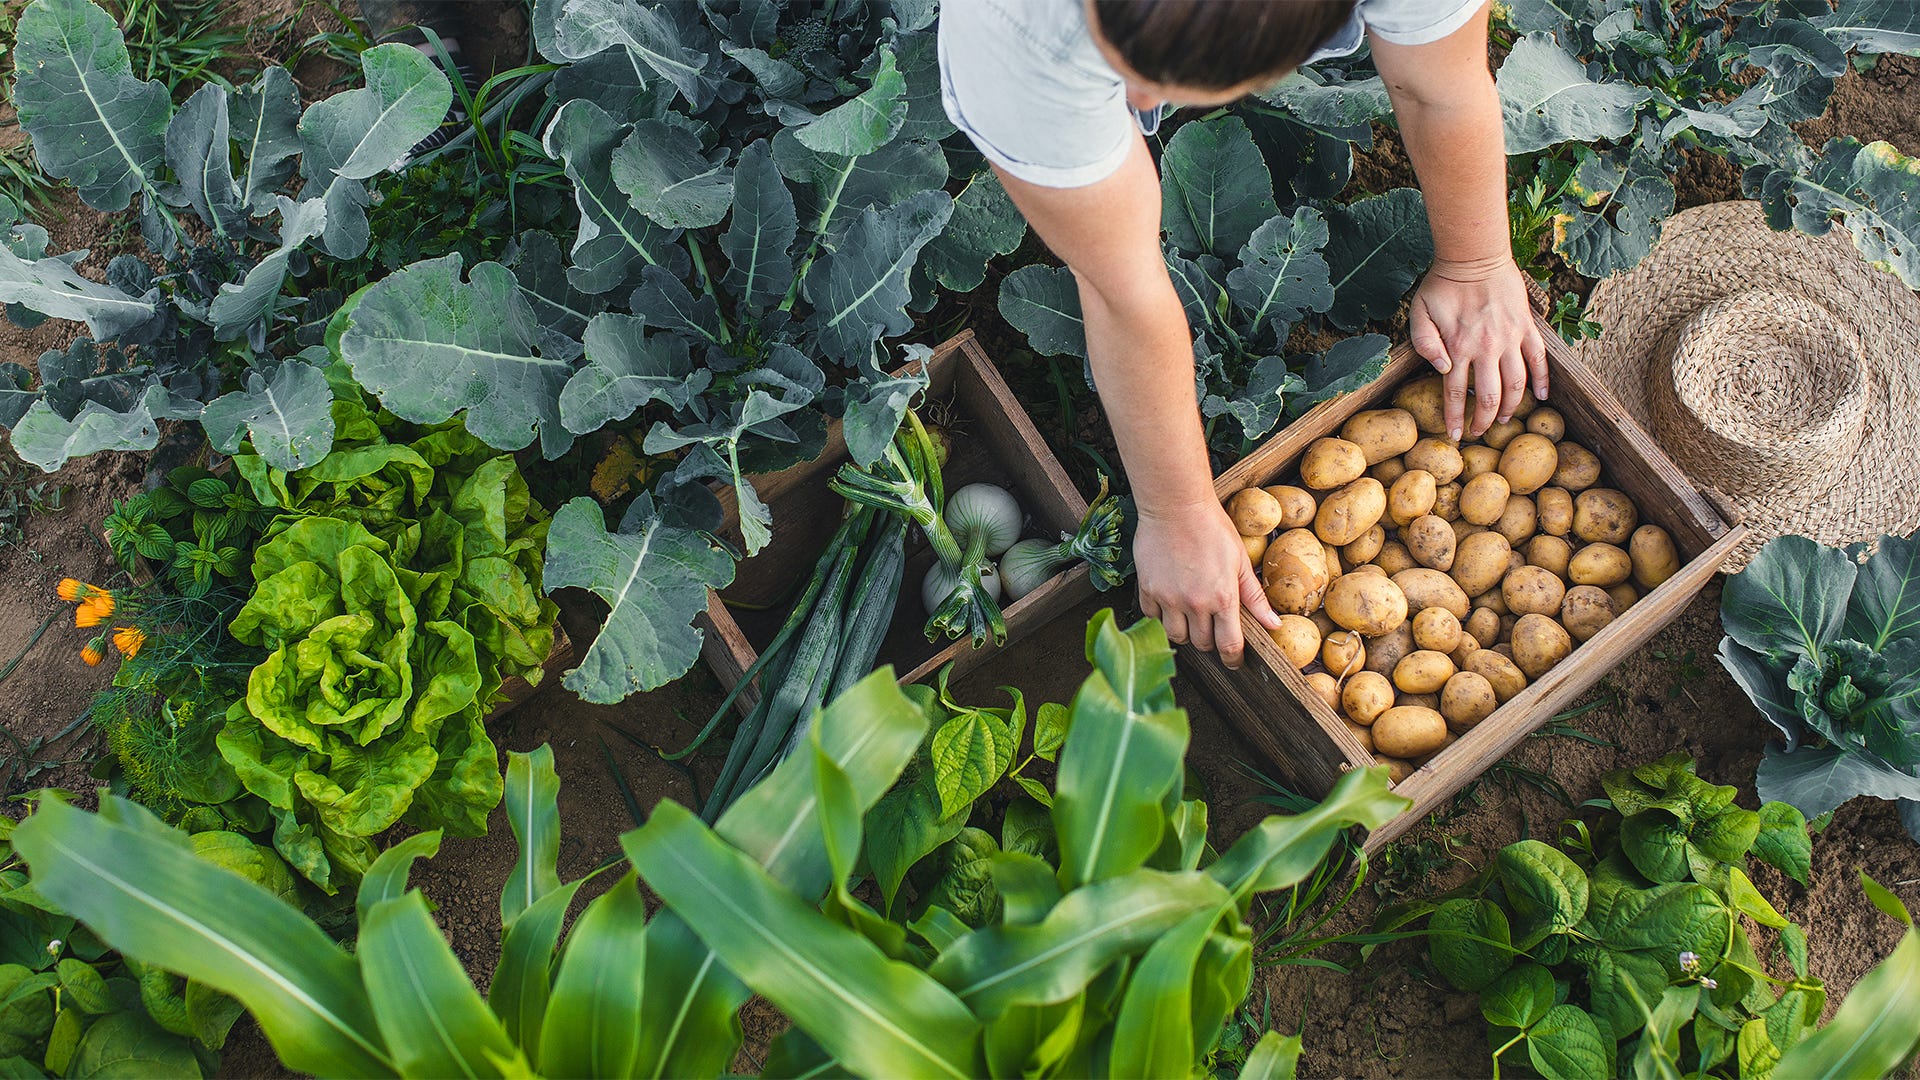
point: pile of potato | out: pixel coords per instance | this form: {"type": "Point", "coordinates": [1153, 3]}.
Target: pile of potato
{"type": "Point", "coordinates": [1421, 582]}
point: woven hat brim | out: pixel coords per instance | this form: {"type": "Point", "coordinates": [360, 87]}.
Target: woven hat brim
{"type": "Point", "coordinates": [1723, 249]}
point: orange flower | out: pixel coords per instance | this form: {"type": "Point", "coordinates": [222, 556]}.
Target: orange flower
{"type": "Point", "coordinates": [90, 652]}
{"type": "Point", "coordinates": [100, 600]}
{"type": "Point", "coordinates": [87, 615]}
{"type": "Point", "coordinates": [71, 589]}
{"type": "Point", "coordinates": [128, 639]}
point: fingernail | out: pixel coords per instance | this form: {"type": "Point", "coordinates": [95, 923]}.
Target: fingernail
{"type": "Point", "coordinates": [1454, 433]}
{"type": "Point", "coordinates": [1505, 418]}
{"type": "Point", "coordinates": [1539, 393]}
{"type": "Point", "coordinates": [1442, 366]}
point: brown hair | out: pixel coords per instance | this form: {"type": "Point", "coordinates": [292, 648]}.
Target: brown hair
{"type": "Point", "coordinates": [1218, 44]}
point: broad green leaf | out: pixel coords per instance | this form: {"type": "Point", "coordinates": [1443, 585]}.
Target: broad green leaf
{"type": "Point", "coordinates": [1154, 1036]}
{"type": "Point", "coordinates": [198, 149]}
{"type": "Point", "coordinates": [1347, 364]}
{"type": "Point", "coordinates": [1874, 26]}
{"type": "Point", "coordinates": [1214, 187]}
{"type": "Point", "coordinates": [387, 879]}
{"type": "Point", "coordinates": [162, 904]}
{"type": "Point", "coordinates": [264, 117]}
{"type": "Point", "coordinates": [654, 580]}
{"type": "Point", "coordinates": [1726, 836]}
{"type": "Point", "coordinates": [651, 37]}
{"type": "Point", "coordinates": [1274, 1057]}
{"type": "Point", "coordinates": [1375, 248]}
{"type": "Point", "coordinates": [1281, 275]}
{"type": "Point", "coordinates": [905, 826]}
{"type": "Point", "coordinates": [562, 310]}
{"type": "Point", "coordinates": [1469, 942]}
{"type": "Point", "coordinates": [52, 287]}
{"type": "Point", "coordinates": [1656, 843]}
{"type": "Point", "coordinates": [1055, 958]}
{"type": "Point", "coordinates": [758, 239]}
{"type": "Point", "coordinates": [1283, 850]}
{"type": "Point", "coordinates": [1742, 896]}
{"type": "Point", "coordinates": [93, 124]}
{"type": "Point", "coordinates": [1864, 188]}
{"type": "Point", "coordinates": [83, 987]}
{"type": "Point", "coordinates": [1567, 1045]}
{"type": "Point", "coordinates": [1817, 781]}
{"type": "Point", "coordinates": [240, 305]}
{"type": "Point", "coordinates": [1619, 983]}
{"type": "Point", "coordinates": [429, 345]}
{"type": "Point", "coordinates": [593, 1022]}
{"type": "Point", "coordinates": [864, 123]}
{"type": "Point", "coordinates": [1598, 244]}
{"type": "Point", "coordinates": [44, 438]}
{"type": "Point", "coordinates": [985, 223]}
{"type": "Point", "coordinates": [128, 1044]}
{"type": "Point", "coordinates": [1027, 886]}
{"type": "Point", "coordinates": [625, 369]}
{"type": "Point", "coordinates": [1765, 683]}
{"type": "Point", "coordinates": [876, 1015]}
{"type": "Point", "coordinates": [1115, 770]}
{"type": "Point", "coordinates": [971, 752]}
{"type": "Point", "coordinates": [1043, 302]}
{"type": "Point", "coordinates": [1885, 606]}
{"type": "Point", "coordinates": [426, 1006]}
{"type": "Point", "coordinates": [1547, 98]}
{"type": "Point", "coordinates": [689, 1005]}
{"type": "Point", "coordinates": [875, 407]}
{"type": "Point", "coordinates": [661, 168]}
{"type": "Point", "coordinates": [614, 238]}
{"type": "Point", "coordinates": [834, 189]}
{"type": "Point", "coordinates": [287, 415]}
{"type": "Point", "coordinates": [1877, 1027]}
{"type": "Point", "coordinates": [1050, 723]}
{"type": "Point", "coordinates": [1547, 891]}
{"type": "Point", "coordinates": [523, 980]}
{"type": "Point", "coordinates": [1313, 98]}
{"type": "Point", "coordinates": [963, 879]}
{"type": "Point", "coordinates": [533, 813]}
{"type": "Point", "coordinates": [714, 447]}
{"type": "Point", "coordinates": [358, 134]}
{"type": "Point", "coordinates": [859, 291]}
{"type": "Point", "coordinates": [1519, 997]}
{"type": "Point", "coordinates": [1033, 1040]}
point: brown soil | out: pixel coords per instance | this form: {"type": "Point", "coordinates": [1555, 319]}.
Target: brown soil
{"type": "Point", "coordinates": [1883, 103]}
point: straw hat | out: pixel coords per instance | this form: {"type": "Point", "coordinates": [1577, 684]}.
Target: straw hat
{"type": "Point", "coordinates": [1781, 372]}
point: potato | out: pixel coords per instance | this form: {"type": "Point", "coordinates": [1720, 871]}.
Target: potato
{"type": "Point", "coordinates": [1297, 505]}
{"type": "Point", "coordinates": [1365, 549]}
{"type": "Point", "coordinates": [1477, 461]}
{"type": "Point", "coordinates": [1387, 471]}
{"type": "Point", "coordinates": [1294, 571]}
{"type": "Point", "coordinates": [1326, 688]}
{"type": "Point", "coordinates": [1324, 623]}
{"type": "Point", "coordinates": [1547, 421]}
{"type": "Point", "coordinates": [1351, 511]}
{"type": "Point", "coordinates": [1480, 562]}
{"type": "Point", "coordinates": [1422, 671]}
{"type": "Point", "coordinates": [1484, 625]}
{"type": "Point", "coordinates": [1467, 699]}
{"type": "Point", "coordinates": [1599, 564]}
{"type": "Point", "coordinates": [1528, 403]}
{"type": "Point", "coordinates": [1254, 512]}
{"type": "Point", "coordinates": [1330, 463]}
{"type": "Point", "coordinates": [1518, 521]}
{"type": "Point", "coordinates": [1436, 629]}
{"type": "Point", "coordinates": [1624, 596]}
{"type": "Point", "coordinates": [1579, 469]}
{"type": "Point", "coordinates": [1539, 643]}
{"type": "Point", "coordinates": [1298, 640]}
{"type": "Point", "coordinates": [1426, 588]}
{"type": "Point", "coordinates": [1409, 731]}
{"type": "Point", "coordinates": [1398, 769]}
{"type": "Point", "coordinates": [1334, 569]}
{"type": "Point", "coordinates": [1586, 611]}
{"type": "Point", "coordinates": [1343, 653]}
{"type": "Point", "coordinates": [1462, 528]}
{"type": "Point", "coordinates": [1484, 498]}
{"type": "Point", "coordinates": [1386, 650]}
{"type": "Point", "coordinates": [1381, 433]}
{"type": "Point", "coordinates": [1430, 542]}
{"type": "Point", "coordinates": [1446, 502]}
{"type": "Point", "coordinates": [1498, 435]}
{"type": "Point", "coordinates": [1532, 590]}
{"type": "Point", "coordinates": [1365, 696]}
{"type": "Point", "coordinates": [1439, 457]}
{"type": "Point", "coordinates": [1363, 733]}
{"type": "Point", "coordinates": [1553, 507]}
{"type": "Point", "coordinates": [1421, 761]}
{"type": "Point", "coordinates": [1502, 674]}
{"type": "Point", "coordinates": [1467, 647]}
{"type": "Point", "coordinates": [1492, 601]}
{"type": "Point", "coordinates": [1423, 701]}
{"type": "Point", "coordinates": [1528, 462]}
{"type": "Point", "coordinates": [1394, 557]}
{"type": "Point", "coordinates": [1425, 399]}
{"type": "Point", "coordinates": [1654, 557]}
{"type": "Point", "coordinates": [1368, 568]}
{"type": "Point", "coordinates": [1411, 496]}
{"type": "Point", "coordinates": [1256, 549]}
{"type": "Point", "coordinates": [1603, 516]}
{"type": "Point", "coordinates": [1369, 603]}
{"type": "Point", "coordinates": [1549, 553]}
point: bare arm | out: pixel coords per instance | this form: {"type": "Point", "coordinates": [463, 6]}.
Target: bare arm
{"type": "Point", "coordinates": [1471, 317]}
{"type": "Point", "coordinates": [1194, 571]}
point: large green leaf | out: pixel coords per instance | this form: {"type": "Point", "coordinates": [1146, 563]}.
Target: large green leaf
{"type": "Point", "coordinates": [613, 235]}
{"type": "Point", "coordinates": [92, 122]}
{"type": "Point", "coordinates": [386, 879]}
{"type": "Point", "coordinates": [1766, 684]}
{"type": "Point", "coordinates": [1791, 599]}
{"type": "Point", "coordinates": [1316, 99]}
{"type": "Point", "coordinates": [360, 133]}
{"type": "Point", "coordinates": [1214, 187]}
{"type": "Point", "coordinates": [1547, 891]}
{"type": "Point", "coordinates": [1876, 1029]}
{"type": "Point", "coordinates": [52, 287]}
{"type": "Point", "coordinates": [985, 223]}
{"type": "Point", "coordinates": [662, 169]}
{"type": "Point", "coordinates": [1469, 942]}
{"type": "Point", "coordinates": [654, 579]}
{"type": "Point", "coordinates": [876, 1015]}
{"type": "Point", "coordinates": [651, 37]}
{"type": "Point", "coordinates": [429, 345]}
{"type": "Point", "coordinates": [563, 311]}
{"type": "Point", "coordinates": [1274, 1057]}
{"type": "Point", "coordinates": [129, 1044]}
{"type": "Point", "coordinates": [593, 1021]}
{"type": "Point", "coordinates": [264, 116]}
{"type": "Point", "coordinates": [1281, 275]}
{"type": "Point", "coordinates": [1043, 302]}
{"type": "Point", "coordinates": [1567, 1045]}
{"type": "Point", "coordinates": [756, 243]}
{"type": "Point", "coordinates": [533, 813]}
{"type": "Point", "coordinates": [199, 153]}
{"type": "Point", "coordinates": [1547, 98]}
{"type": "Point", "coordinates": [427, 1008]}
{"type": "Point", "coordinates": [240, 304]}
{"type": "Point", "coordinates": [625, 369]}
{"type": "Point", "coordinates": [859, 290]}
{"type": "Point", "coordinates": [971, 752]}
{"type": "Point", "coordinates": [1039, 963]}
{"type": "Point", "coordinates": [45, 438]}
{"type": "Point", "coordinates": [1375, 248]}
{"type": "Point", "coordinates": [834, 189]}
{"type": "Point", "coordinates": [1598, 245]}
{"type": "Point", "coordinates": [1886, 595]}
{"type": "Point", "coordinates": [1154, 1036]}
{"type": "Point", "coordinates": [1865, 188]}
{"type": "Point", "coordinates": [161, 904]}
{"type": "Point", "coordinates": [287, 415]}
{"type": "Point", "coordinates": [1874, 26]}
{"type": "Point", "coordinates": [523, 979]}
{"type": "Point", "coordinates": [865, 122]}
{"type": "Point", "coordinates": [1282, 851]}
{"type": "Point", "coordinates": [1816, 781]}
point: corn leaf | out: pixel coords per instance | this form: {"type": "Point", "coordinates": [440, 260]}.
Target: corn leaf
{"type": "Point", "coordinates": [533, 813]}
{"type": "Point", "coordinates": [593, 1021]}
{"type": "Point", "coordinates": [424, 1002]}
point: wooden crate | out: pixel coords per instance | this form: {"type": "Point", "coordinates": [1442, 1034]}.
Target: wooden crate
{"type": "Point", "coordinates": [1268, 700]}
{"type": "Point", "coordinates": [994, 442]}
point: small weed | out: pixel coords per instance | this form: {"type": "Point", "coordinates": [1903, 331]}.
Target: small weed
{"type": "Point", "coordinates": [22, 496]}
{"type": "Point", "coordinates": [1409, 865]}
{"type": "Point", "coordinates": [1689, 672]}
{"type": "Point", "coordinates": [180, 42]}
{"type": "Point", "coordinates": [1568, 316]}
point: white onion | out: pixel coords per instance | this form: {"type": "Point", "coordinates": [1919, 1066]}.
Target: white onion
{"type": "Point", "coordinates": [987, 511]}
{"type": "Point", "coordinates": [940, 583]}
{"type": "Point", "coordinates": [1027, 564]}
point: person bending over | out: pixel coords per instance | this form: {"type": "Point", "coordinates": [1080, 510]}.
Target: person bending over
{"type": "Point", "coordinates": [1057, 94]}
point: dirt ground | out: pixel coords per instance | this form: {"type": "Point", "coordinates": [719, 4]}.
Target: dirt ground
{"type": "Point", "coordinates": [1389, 1019]}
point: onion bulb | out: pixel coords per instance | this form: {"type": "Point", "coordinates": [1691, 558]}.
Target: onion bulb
{"type": "Point", "coordinates": [940, 583]}
{"type": "Point", "coordinates": [986, 513]}
{"type": "Point", "coordinates": [1028, 563]}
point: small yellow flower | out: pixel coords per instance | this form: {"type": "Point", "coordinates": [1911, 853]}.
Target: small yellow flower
{"type": "Point", "coordinates": [90, 652]}
{"type": "Point", "coordinates": [71, 589]}
{"type": "Point", "coordinates": [128, 640]}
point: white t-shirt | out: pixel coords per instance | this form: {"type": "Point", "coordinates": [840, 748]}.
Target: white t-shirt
{"type": "Point", "coordinates": [1025, 81]}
